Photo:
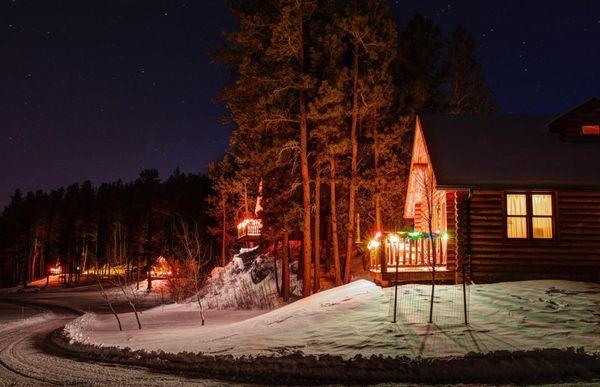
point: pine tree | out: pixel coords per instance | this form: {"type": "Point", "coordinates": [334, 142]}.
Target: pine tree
{"type": "Point", "coordinates": [468, 90]}
{"type": "Point", "coordinates": [270, 94]}
{"type": "Point", "coordinates": [419, 69]}
{"type": "Point", "coordinates": [371, 35]}
{"type": "Point", "coordinates": [327, 113]}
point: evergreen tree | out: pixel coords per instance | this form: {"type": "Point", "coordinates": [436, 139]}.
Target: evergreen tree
{"type": "Point", "coordinates": [371, 35]}
{"type": "Point", "coordinates": [85, 228]}
{"type": "Point", "coordinates": [467, 87]}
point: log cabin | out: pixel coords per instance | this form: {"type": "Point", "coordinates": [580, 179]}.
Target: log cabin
{"type": "Point", "coordinates": [516, 197]}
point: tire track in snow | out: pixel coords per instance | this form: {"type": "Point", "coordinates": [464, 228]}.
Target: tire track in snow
{"type": "Point", "coordinates": [23, 361]}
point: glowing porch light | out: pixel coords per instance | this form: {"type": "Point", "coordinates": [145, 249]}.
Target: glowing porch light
{"type": "Point", "coordinates": [243, 223]}
{"type": "Point", "coordinates": [373, 244]}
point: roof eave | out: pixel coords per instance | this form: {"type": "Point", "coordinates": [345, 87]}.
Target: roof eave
{"type": "Point", "coordinates": [500, 186]}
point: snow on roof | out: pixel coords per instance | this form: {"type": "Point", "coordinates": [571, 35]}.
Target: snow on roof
{"type": "Point", "coordinates": [508, 151]}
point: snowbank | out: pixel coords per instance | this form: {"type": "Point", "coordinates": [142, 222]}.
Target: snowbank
{"type": "Point", "coordinates": [247, 282]}
{"type": "Point", "coordinates": [355, 319]}
{"type": "Point", "coordinates": [25, 322]}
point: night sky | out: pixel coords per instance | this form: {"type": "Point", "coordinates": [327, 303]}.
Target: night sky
{"type": "Point", "coordinates": [101, 89]}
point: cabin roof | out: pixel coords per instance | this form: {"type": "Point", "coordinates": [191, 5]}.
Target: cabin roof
{"type": "Point", "coordinates": [508, 151]}
{"type": "Point", "coordinates": [587, 104]}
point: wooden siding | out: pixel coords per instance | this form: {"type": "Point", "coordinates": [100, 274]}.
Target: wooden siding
{"type": "Point", "coordinates": [418, 220]}
{"type": "Point", "coordinates": [451, 229]}
{"type": "Point", "coordinates": [574, 254]}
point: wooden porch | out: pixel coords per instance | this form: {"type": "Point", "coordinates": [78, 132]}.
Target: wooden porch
{"type": "Point", "coordinates": [410, 258]}
{"type": "Point", "coordinates": [249, 230]}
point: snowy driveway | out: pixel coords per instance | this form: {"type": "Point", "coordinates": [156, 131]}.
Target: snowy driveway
{"type": "Point", "coordinates": [23, 360]}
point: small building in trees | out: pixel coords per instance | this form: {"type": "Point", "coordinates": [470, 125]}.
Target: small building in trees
{"type": "Point", "coordinates": [500, 198]}
{"type": "Point", "coordinates": [249, 229]}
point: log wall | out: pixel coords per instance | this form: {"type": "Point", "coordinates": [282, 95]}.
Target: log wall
{"type": "Point", "coordinates": [451, 229]}
{"type": "Point", "coordinates": [574, 254]}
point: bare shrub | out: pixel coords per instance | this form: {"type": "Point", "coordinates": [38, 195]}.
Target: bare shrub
{"type": "Point", "coordinates": [189, 271]}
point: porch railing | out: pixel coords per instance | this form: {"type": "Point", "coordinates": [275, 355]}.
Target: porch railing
{"type": "Point", "coordinates": [409, 253]}
{"type": "Point", "coordinates": [249, 227]}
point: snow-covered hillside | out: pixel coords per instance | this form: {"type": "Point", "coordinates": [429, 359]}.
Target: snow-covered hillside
{"type": "Point", "coordinates": [247, 282]}
{"type": "Point", "coordinates": [356, 319]}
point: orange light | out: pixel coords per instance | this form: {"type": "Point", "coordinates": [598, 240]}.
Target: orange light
{"type": "Point", "coordinates": [161, 268]}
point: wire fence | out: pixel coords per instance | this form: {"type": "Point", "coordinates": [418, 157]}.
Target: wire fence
{"type": "Point", "coordinates": [414, 300]}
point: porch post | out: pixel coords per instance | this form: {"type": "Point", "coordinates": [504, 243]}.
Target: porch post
{"type": "Point", "coordinates": [396, 289]}
{"type": "Point", "coordinates": [382, 258]}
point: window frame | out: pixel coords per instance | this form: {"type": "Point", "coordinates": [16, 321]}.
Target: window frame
{"type": "Point", "coordinates": [524, 216]}
{"type": "Point", "coordinates": [529, 216]}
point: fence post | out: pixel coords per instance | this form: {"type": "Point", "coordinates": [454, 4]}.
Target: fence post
{"type": "Point", "coordinates": [464, 285]}
{"type": "Point", "coordinates": [396, 290]}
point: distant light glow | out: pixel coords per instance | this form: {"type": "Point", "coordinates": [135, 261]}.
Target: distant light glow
{"type": "Point", "coordinates": [55, 270]}
{"type": "Point", "coordinates": [161, 268]}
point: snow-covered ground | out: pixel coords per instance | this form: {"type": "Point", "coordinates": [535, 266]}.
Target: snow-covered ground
{"type": "Point", "coordinates": [15, 312]}
{"type": "Point", "coordinates": [247, 282]}
{"type": "Point", "coordinates": [356, 319]}
{"type": "Point", "coordinates": [18, 316]}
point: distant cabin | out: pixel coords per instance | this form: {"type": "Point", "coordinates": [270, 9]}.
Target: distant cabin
{"type": "Point", "coordinates": [517, 196]}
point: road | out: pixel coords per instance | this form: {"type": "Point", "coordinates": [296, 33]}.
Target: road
{"type": "Point", "coordinates": [24, 361]}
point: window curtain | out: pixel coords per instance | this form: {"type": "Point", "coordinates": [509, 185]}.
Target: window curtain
{"type": "Point", "coordinates": [516, 209]}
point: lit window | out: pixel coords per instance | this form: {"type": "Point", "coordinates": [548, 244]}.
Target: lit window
{"type": "Point", "coordinates": [590, 130]}
{"type": "Point", "coordinates": [542, 216]}
{"type": "Point", "coordinates": [529, 213]}
{"type": "Point", "coordinates": [516, 211]}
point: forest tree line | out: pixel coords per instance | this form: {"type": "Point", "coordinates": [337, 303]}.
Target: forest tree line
{"type": "Point", "coordinates": [323, 100]}
{"type": "Point", "coordinates": [98, 229]}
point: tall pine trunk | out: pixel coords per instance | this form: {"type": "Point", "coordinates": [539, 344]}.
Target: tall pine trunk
{"type": "Point", "coordinates": [224, 230]}
{"type": "Point", "coordinates": [34, 259]}
{"type": "Point", "coordinates": [317, 284]}
{"type": "Point", "coordinates": [306, 284]}
{"type": "Point", "coordinates": [334, 230]}
{"type": "Point", "coordinates": [353, 182]}
{"type": "Point", "coordinates": [149, 252]}
{"type": "Point", "coordinates": [377, 196]}
{"type": "Point", "coordinates": [285, 266]}
{"type": "Point", "coordinates": [246, 211]}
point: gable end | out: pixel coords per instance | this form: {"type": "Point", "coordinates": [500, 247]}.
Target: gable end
{"type": "Point", "coordinates": [578, 124]}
